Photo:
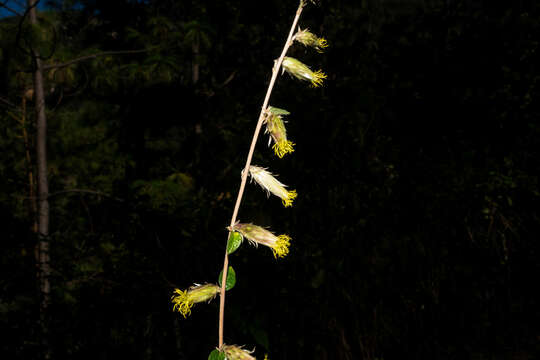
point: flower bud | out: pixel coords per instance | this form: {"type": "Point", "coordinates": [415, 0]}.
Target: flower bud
{"type": "Point", "coordinates": [184, 300]}
{"type": "Point", "coordinates": [233, 352]}
{"type": "Point", "coordinates": [306, 38]}
{"type": "Point", "coordinates": [269, 183]}
{"type": "Point", "coordinates": [259, 235]}
{"type": "Point", "coordinates": [275, 126]}
{"type": "Point", "coordinates": [302, 71]}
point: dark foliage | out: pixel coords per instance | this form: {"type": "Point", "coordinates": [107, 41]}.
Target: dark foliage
{"type": "Point", "coordinates": [415, 234]}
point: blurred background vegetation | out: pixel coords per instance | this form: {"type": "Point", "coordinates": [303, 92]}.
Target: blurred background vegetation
{"type": "Point", "coordinates": [415, 233]}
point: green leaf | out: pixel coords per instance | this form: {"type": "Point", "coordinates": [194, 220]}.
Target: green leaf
{"type": "Point", "coordinates": [216, 355]}
{"type": "Point", "coordinates": [235, 239]}
{"type": "Point", "coordinates": [278, 111]}
{"type": "Point", "coordinates": [231, 278]}
{"type": "Point", "coordinates": [260, 336]}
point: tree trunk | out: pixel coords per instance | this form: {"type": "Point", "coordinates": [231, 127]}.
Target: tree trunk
{"type": "Point", "coordinates": [195, 48]}
{"type": "Point", "coordinates": [33, 206]}
{"type": "Point", "coordinates": [42, 191]}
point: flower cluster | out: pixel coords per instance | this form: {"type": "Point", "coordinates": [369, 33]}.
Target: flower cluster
{"type": "Point", "coordinates": [272, 118]}
{"type": "Point", "coordinates": [300, 70]}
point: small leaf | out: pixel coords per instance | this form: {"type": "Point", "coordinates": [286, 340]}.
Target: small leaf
{"type": "Point", "coordinates": [216, 355]}
{"type": "Point", "coordinates": [278, 111]}
{"type": "Point", "coordinates": [235, 239]}
{"type": "Point", "coordinates": [231, 278]}
{"type": "Point", "coordinates": [260, 336]}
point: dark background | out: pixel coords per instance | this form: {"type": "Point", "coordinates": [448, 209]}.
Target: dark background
{"type": "Point", "coordinates": [415, 232]}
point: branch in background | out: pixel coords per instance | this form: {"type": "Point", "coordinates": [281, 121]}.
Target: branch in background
{"type": "Point", "coordinates": [19, 27]}
{"type": "Point", "coordinates": [9, 103]}
{"type": "Point", "coordinates": [83, 279]}
{"type": "Point", "coordinates": [228, 80]}
{"type": "Point", "coordinates": [93, 56]}
{"type": "Point", "coordinates": [10, 9]}
{"type": "Point", "coordinates": [84, 191]}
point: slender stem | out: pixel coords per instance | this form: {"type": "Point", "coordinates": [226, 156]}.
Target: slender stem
{"type": "Point", "coordinates": [275, 72]}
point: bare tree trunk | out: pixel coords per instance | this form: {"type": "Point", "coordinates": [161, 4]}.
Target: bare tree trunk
{"type": "Point", "coordinates": [33, 206]}
{"type": "Point", "coordinates": [42, 191]}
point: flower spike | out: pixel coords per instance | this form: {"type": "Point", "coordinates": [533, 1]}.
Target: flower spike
{"type": "Point", "coordinates": [184, 300]}
{"type": "Point", "coordinates": [233, 352]}
{"type": "Point", "coordinates": [302, 72]}
{"type": "Point", "coordinates": [275, 126]}
{"type": "Point", "coordinates": [269, 183]}
{"type": "Point", "coordinates": [307, 38]}
{"type": "Point", "coordinates": [259, 235]}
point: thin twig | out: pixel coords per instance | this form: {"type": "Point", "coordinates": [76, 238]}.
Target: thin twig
{"type": "Point", "coordinates": [228, 80]}
{"type": "Point", "coordinates": [93, 56]}
{"type": "Point", "coordinates": [21, 4]}
{"type": "Point", "coordinates": [275, 71]}
{"type": "Point", "coordinates": [10, 9]}
{"type": "Point", "coordinates": [19, 26]}
{"type": "Point", "coordinates": [83, 191]}
{"type": "Point", "coordinates": [9, 103]}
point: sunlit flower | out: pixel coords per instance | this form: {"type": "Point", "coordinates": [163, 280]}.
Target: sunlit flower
{"type": "Point", "coordinates": [259, 235]}
{"type": "Point", "coordinates": [233, 352]}
{"type": "Point", "coordinates": [301, 71]}
{"type": "Point", "coordinates": [275, 126]}
{"type": "Point", "coordinates": [307, 38]}
{"type": "Point", "coordinates": [184, 299]}
{"type": "Point", "coordinates": [269, 183]}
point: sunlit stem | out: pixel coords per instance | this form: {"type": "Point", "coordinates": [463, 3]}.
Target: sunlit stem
{"type": "Point", "coordinates": [275, 71]}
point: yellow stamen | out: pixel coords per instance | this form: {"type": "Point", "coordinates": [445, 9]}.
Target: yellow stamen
{"type": "Point", "coordinates": [317, 78]}
{"type": "Point", "coordinates": [291, 195]}
{"type": "Point", "coordinates": [283, 147]}
{"type": "Point", "coordinates": [182, 303]}
{"type": "Point", "coordinates": [281, 248]}
{"type": "Point", "coordinates": [321, 43]}
{"type": "Point", "coordinates": [184, 299]}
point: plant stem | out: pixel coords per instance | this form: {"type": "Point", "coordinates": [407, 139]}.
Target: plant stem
{"type": "Point", "coordinates": [275, 72]}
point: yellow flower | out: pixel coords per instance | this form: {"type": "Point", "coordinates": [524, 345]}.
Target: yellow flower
{"type": "Point", "coordinates": [259, 235]}
{"type": "Point", "coordinates": [307, 38]}
{"type": "Point", "coordinates": [233, 352]}
{"type": "Point", "coordinates": [184, 299]}
{"type": "Point", "coordinates": [275, 126]}
{"type": "Point", "coordinates": [272, 185]}
{"type": "Point", "coordinates": [303, 72]}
